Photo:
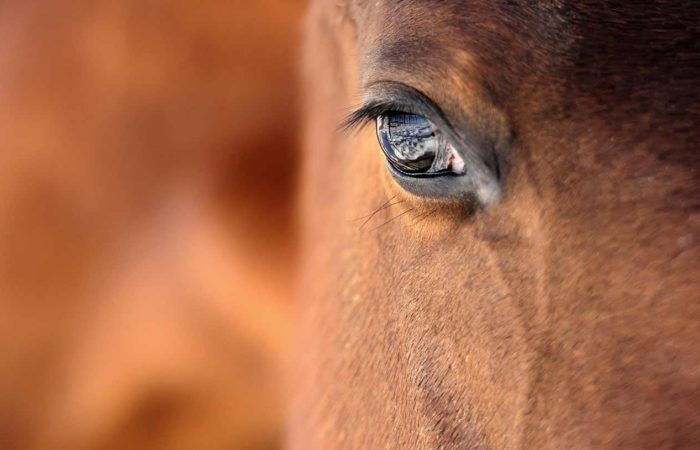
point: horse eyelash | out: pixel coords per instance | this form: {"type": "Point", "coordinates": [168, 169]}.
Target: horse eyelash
{"type": "Point", "coordinates": [366, 113]}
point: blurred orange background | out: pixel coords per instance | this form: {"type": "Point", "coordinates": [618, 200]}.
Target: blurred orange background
{"type": "Point", "coordinates": [147, 175]}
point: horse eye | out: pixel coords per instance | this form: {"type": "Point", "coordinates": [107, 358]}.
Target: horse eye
{"type": "Point", "coordinates": [416, 147]}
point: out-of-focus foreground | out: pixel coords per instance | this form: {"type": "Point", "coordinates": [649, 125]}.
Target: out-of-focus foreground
{"type": "Point", "coordinates": [146, 179]}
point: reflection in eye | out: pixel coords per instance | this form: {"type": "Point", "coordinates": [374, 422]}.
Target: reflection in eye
{"type": "Point", "coordinates": [414, 146]}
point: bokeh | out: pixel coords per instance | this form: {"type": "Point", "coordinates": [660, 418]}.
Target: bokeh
{"type": "Point", "coordinates": [147, 176]}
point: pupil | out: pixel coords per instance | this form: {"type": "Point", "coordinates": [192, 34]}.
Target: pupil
{"type": "Point", "coordinates": [408, 140]}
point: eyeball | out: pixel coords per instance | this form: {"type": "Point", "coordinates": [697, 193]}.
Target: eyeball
{"type": "Point", "coordinates": [416, 147]}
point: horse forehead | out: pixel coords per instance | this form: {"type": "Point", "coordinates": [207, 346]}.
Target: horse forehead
{"type": "Point", "coordinates": [439, 42]}
{"type": "Point", "coordinates": [488, 43]}
{"type": "Point", "coordinates": [444, 21]}
{"type": "Point", "coordinates": [620, 56]}
{"type": "Point", "coordinates": [592, 33]}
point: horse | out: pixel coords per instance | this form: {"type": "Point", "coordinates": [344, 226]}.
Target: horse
{"type": "Point", "coordinates": [500, 226]}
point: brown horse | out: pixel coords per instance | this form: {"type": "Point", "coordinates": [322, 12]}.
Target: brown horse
{"type": "Point", "coordinates": [514, 262]}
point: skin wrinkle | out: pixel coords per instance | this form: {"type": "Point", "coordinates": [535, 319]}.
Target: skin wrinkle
{"type": "Point", "coordinates": [536, 234]}
{"type": "Point", "coordinates": [562, 316]}
{"type": "Point", "coordinates": [530, 364]}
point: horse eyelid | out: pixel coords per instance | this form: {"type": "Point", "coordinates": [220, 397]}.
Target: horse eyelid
{"type": "Point", "coordinates": [411, 102]}
{"type": "Point", "coordinates": [364, 114]}
{"type": "Point", "coordinates": [392, 96]}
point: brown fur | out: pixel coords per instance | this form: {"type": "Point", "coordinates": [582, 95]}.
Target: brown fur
{"type": "Point", "coordinates": [564, 316]}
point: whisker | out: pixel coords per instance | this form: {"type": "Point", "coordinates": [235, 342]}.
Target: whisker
{"type": "Point", "coordinates": [415, 218]}
{"type": "Point", "coordinates": [423, 216]}
{"type": "Point", "coordinates": [375, 212]}
{"type": "Point", "coordinates": [392, 219]}
{"type": "Point", "coordinates": [382, 206]}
